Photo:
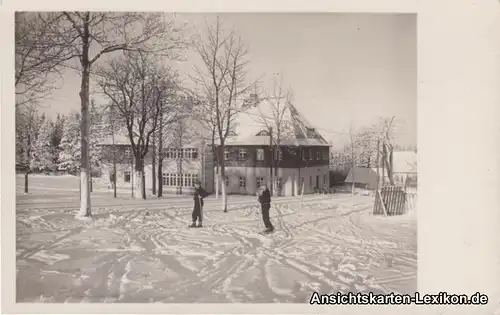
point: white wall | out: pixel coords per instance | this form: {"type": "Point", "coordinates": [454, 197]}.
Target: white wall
{"type": "Point", "coordinates": [289, 177]}
{"type": "Point", "coordinates": [106, 169]}
{"type": "Point", "coordinates": [312, 172]}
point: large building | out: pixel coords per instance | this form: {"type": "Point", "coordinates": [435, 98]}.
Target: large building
{"type": "Point", "coordinates": [182, 165]}
{"type": "Point", "coordinates": [301, 155]}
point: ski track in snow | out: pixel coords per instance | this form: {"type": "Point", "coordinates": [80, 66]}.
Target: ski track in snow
{"type": "Point", "coordinates": [147, 254]}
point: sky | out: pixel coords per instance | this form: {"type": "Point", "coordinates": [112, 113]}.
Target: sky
{"type": "Point", "coordinates": [343, 68]}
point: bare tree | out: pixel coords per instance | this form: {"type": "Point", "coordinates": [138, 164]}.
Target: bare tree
{"type": "Point", "coordinates": [352, 140]}
{"type": "Point", "coordinates": [138, 85]}
{"type": "Point", "coordinates": [387, 138]}
{"type": "Point", "coordinates": [39, 56]}
{"type": "Point", "coordinates": [222, 80]}
{"type": "Point", "coordinates": [276, 122]}
{"type": "Point", "coordinates": [164, 139]}
{"type": "Point", "coordinates": [88, 36]}
{"type": "Point", "coordinates": [28, 124]}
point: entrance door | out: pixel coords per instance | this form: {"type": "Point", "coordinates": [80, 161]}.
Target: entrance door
{"type": "Point", "coordinates": [317, 181]}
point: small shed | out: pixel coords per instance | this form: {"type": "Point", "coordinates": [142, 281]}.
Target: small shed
{"type": "Point", "coordinates": [362, 177]}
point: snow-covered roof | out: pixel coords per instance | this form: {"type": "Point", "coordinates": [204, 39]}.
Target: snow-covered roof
{"type": "Point", "coordinates": [119, 140]}
{"type": "Point", "coordinates": [362, 175]}
{"type": "Point", "coordinates": [124, 140]}
{"type": "Point", "coordinates": [295, 129]}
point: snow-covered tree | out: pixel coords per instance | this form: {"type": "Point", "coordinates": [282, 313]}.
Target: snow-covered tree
{"type": "Point", "coordinates": [70, 149]}
{"type": "Point", "coordinates": [97, 133]}
{"type": "Point", "coordinates": [69, 154]}
{"type": "Point", "coordinates": [41, 153]}
{"type": "Point", "coordinates": [28, 123]}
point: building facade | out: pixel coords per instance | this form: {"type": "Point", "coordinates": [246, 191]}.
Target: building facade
{"type": "Point", "coordinates": [298, 161]}
{"type": "Point", "coordinates": [180, 168]}
{"type": "Point", "coordinates": [298, 168]}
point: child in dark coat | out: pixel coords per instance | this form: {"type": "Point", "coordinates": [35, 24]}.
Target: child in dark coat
{"type": "Point", "coordinates": [265, 205]}
{"type": "Point", "coordinates": [199, 194]}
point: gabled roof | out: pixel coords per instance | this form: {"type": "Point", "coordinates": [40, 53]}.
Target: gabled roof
{"type": "Point", "coordinates": [362, 175]}
{"type": "Point", "coordinates": [252, 126]}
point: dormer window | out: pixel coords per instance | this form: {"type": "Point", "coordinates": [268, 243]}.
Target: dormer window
{"type": "Point", "coordinates": [263, 133]}
{"type": "Point", "coordinates": [242, 154]}
{"type": "Point", "coordinates": [260, 154]}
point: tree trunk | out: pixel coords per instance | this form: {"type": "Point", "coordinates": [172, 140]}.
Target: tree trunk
{"type": "Point", "coordinates": [383, 165]}
{"type": "Point", "coordinates": [378, 163]}
{"type": "Point", "coordinates": [143, 183]}
{"type": "Point", "coordinates": [28, 156]}
{"type": "Point", "coordinates": [387, 162]}
{"type": "Point", "coordinates": [391, 165]}
{"type": "Point", "coordinates": [160, 154]}
{"type": "Point", "coordinates": [85, 207]}
{"type": "Point", "coordinates": [216, 178]}
{"type": "Point", "coordinates": [224, 191]}
{"type": "Point", "coordinates": [114, 168]}
{"type": "Point", "coordinates": [140, 187]}
{"type": "Point", "coordinates": [223, 178]}
{"type": "Point", "coordinates": [26, 182]}
{"type": "Point", "coordinates": [153, 166]}
{"type": "Point", "coordinates": [160, 177]}
{"type": "Point", "coordinates": [271, 149]}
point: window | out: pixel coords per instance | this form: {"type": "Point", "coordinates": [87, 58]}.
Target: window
{"type": "Point", "coordinates": [280, 155]}
{"type": "Point", "coordinates": [164, 179]}
{"type": "Point", "coordinates": [226, 181]}
{"type": "Point", "coordinates": [195, 154]}
{"type": "Point", "coordinates": [188, 153]}
{"type": "Point", "coordinates": [325, 178]}
{"type": "Point", "coordinates": [196, 177]}
{"type": "Point", "coordinates": [127, 176]}
{"type": "Point", "coordinates": [242, 154]}
{"type": "Point", "coordinates": [260, 154]}
{"type": "Point", "coordinates": [318, 156]}
{"type": "Point", "coordinates": [325, 155]}
{"type": "Point", "coordinates": [279, 183]}
{"type": "Point", "coordinates": [260, 182]}
{"type": "Point", "coordinates": [226, 155]}
{"type": "Point", "coordinates": [188, 180]}
{"type": "Point", "coordinates": [243, 182]}
{"type": "Point", "coordinates": [310, 154]}
{"type": "Point", "coordinates": [304, 154]}
{"type": "Point", "coordinates": [173, 153]}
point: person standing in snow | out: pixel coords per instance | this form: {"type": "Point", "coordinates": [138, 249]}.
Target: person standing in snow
{"type": "Point", "coordinates": [199, 194]}
{"type": "Point", "coordinates": [111, 180]}
{"type": "Point", "coordinates": [265, 205]}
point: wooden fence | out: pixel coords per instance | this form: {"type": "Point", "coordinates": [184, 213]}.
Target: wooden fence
{"type": "Point", "coordinates": [390, 200]}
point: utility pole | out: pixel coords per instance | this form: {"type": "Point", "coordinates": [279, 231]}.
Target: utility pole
{"type": "Point", "coordinates": [160, 155]}
{"type": "Point", "coordinates": [272, 159]}
{"type": "Point", "coordinates": [114, 150]}
{"type": "Point", "coordinates": [153, 166]}
{"type": "Point", "coordinates": [378, 162]}
{"type": "Point", "coordinates": [180, 155]}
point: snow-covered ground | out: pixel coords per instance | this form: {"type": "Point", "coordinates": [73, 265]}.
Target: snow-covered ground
{"type": "Point", "coordinates": [142, 251]}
